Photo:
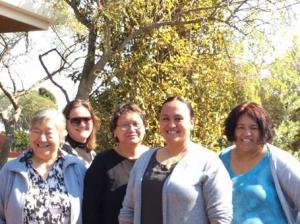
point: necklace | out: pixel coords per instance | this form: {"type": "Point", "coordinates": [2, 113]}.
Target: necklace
{"type": "Point", "coordinates": [169, 159]}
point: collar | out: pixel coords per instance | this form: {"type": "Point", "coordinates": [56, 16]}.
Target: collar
{"type": "Point", "coordinates": [75, 144]}
{"type": "Point", "coordinates": [28, 155]}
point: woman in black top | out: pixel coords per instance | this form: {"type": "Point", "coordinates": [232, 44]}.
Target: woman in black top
{"type": "Point", "coordinates": [82, 124]}
{"type": "Point", "coordinates": [106, 179]}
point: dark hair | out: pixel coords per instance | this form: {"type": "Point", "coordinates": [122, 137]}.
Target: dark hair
{"type": "Point", "coordinates": [181, 99]}
{"type": "Point", "coordinates": [91, 141]}
{"type": "Point", "coordinates": [125, 108]}
{"type": "Point", "coordinates": [254, 111]}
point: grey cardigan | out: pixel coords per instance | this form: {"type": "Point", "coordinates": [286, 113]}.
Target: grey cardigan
{"type": "Point", "coordinates": [198, 190]}
{"type": "Point", "coordinates": [286, 175]}
{"type": "Point", "coordinates": [14, 184]}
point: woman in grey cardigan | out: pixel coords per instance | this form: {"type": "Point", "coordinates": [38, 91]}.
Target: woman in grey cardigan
{"type": "Point", "coordinates": [180, 183]}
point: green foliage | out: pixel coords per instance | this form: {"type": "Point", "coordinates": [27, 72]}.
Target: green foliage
{"type": "Point", "coordinates": [21, 140]}
{"type": "Point", "coordinates": [174, 65]}
{"type": "Point", "coordinates": [30, 104]}
{"type": "Point", "coordinates": [47, 94]}
{"type": "Point", "coordinates": [280, 94]}
{"type": "Point", "coordinates": [197, 53]}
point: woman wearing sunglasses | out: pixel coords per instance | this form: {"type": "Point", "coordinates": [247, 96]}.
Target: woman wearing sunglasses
{"type": "Point", "coordinates": [82, 124]}
{"type": "Point", "coordinates": [106, 179]}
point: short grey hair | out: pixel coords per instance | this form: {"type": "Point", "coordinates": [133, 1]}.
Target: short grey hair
{"type": "Point", "coordinates": [47, 114]}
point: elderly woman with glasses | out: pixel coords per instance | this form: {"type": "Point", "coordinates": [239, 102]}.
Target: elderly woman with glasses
{"type": "Point", "coordinates": [45, 184]}
{"type": "Point", "coordinates": [82, 124]}
{"type": "Point", "coordinates": [106, 179]}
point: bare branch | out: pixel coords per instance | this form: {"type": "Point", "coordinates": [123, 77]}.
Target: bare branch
{"type": "Point", "coordinates": [11, 98]}
{"type": "Point", "coordinates": [11, 79]}
{"type": "Point", "coordinates": [50, 75]}
{"type": "Point", "coordinates": [81, 18]}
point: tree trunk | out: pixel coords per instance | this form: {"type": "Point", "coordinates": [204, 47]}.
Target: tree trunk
{"type": "Point", "coordinates": [5, 150]}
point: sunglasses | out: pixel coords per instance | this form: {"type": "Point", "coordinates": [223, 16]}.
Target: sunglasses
{"type": "Point", "coordinates": [76, 121]}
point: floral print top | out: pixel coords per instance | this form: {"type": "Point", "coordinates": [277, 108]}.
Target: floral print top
{"type": "Point", "coordinates": [47, 200]}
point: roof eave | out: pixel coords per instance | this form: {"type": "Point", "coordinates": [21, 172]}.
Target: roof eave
{"type": "Point", "coordinates": [21, 19]}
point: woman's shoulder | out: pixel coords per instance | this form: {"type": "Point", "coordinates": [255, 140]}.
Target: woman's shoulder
{"type": "Point", "coordinates": [226, 151]}
{"type": "Point", "coordinates": [281, 156]}
{"type": "Point", "coordinates": [146, 155]}
{"type": "Point", "coordinates": [203, 158]}
{"type": "Point", "coordinates": [106, 156]}
{"type": "Point", "coordinates": [105, 153]}
{"type": "Point", "coordinates": [199, 150]}
{"type": "Point", "coordinates": [148, 151]}
{"type": "Point", "coordinates": [12, 165]}
{"type": "Point", "coordinates": [70, 159]}
{"type": "Point", "coordinates": [17, 164]}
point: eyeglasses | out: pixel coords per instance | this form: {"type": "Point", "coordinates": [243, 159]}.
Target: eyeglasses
{"type": "Point", "coordinates": [126, 127]}
{"type": "Point", "coordinates": [76, 121]}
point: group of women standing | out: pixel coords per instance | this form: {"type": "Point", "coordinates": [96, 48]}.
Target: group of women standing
{"type": "Point", "coordinates": [180, 182]}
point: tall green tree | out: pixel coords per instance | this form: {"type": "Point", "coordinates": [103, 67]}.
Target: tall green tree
{"type": "Point", "coordinates": [32, 102]}
{"type": "Point", "coordinates": [175, 64]}
{"type": "Point", "coordinates": [280, 94]}
{"type": "Point", "coordinates": [143, 51]}
{"type": "Point", "coordinates": [108, 30]}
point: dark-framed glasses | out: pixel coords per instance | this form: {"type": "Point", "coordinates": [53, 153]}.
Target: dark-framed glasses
{"type": "Point", "coordinates": [76, 121]}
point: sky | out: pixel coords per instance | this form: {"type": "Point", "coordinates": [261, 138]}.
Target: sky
{"type": "Point", "coordinates": [30, 70]}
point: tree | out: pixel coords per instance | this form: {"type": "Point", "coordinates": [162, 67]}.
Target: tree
{"type": "Point", "coordinates": [280, 94]}
{"type": "Point", "coordinates": [12, 91]}
{"type": "Point", "coordinates": [143, 51]}
{"type": "Point", "coordinates": [110, 29]}
{"type": "Point", "coordinates": [31, 102]}
{"type": "Point", "coordinates": [47, 94]}
{"type": "Point", "coordinates": [174, 65]}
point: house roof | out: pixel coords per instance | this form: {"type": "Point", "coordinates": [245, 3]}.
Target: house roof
{"type": "Point", "coordinates": [22, 16]}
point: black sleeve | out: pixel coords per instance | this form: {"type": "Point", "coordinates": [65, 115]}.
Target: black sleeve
{"type": "Point", "coordinates": [93, 194]}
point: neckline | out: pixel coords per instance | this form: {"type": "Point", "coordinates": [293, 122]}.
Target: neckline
{"type": "Point", "coordinates": [75, 144]}
{"type": "Point", "coordinates": [118, 152]}
{"type": "Point", "coordinates": [169, 163]}
{"type": "Point", "coordinates": [253, 169]}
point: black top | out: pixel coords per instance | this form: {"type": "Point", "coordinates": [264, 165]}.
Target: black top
{"type": "Point", "coordinates": [105, 187]}
{"type": "Point", "coordinates": [152, 185]}
{"type": "Point", "coordinates": [79, 149]}
{"type": "Point", "coordinates": [74, 143]}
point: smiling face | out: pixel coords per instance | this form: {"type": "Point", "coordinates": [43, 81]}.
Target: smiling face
{"type": "Point", "coordinates": [247, 134]}
{"type": "Point", "coordinates": [80, 124]}
{"type": "Point", "coordinates": [130, 128]}
{"type": "Point", "coordinates": [175, 122]}
{"type": "Point", "coordinates": [44, 140]}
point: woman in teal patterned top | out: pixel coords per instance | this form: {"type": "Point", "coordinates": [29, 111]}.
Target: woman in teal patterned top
{"type": "Point", "coordinates": [265, 179]}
